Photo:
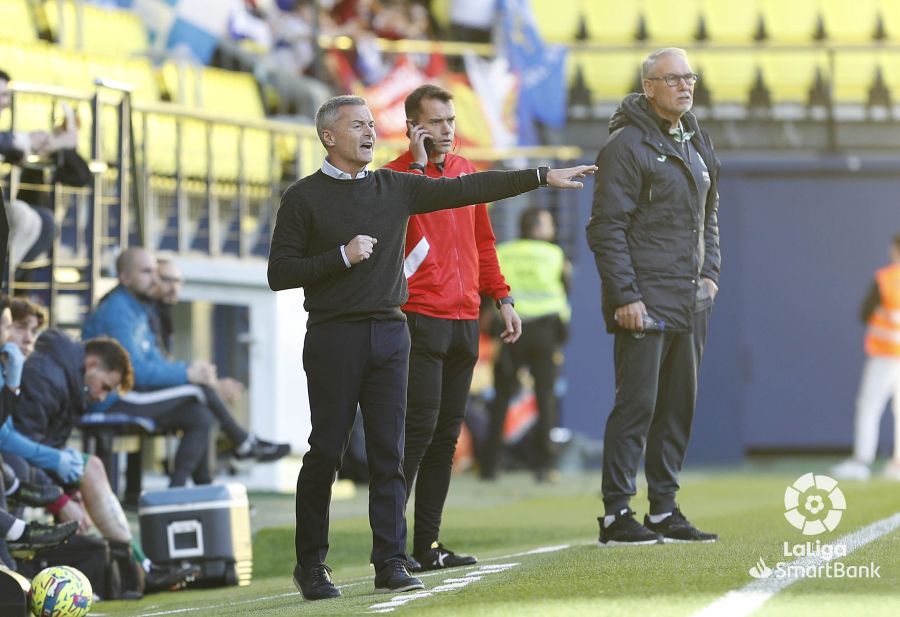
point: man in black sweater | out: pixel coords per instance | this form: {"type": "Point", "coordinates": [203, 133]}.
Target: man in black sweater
{"type": "Point", "coordinates": [339, 235]}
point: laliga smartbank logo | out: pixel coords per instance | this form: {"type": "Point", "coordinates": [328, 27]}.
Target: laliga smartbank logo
{"type": "Point", "coordinates": [814, 504]}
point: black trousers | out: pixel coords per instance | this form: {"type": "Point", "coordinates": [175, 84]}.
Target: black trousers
{"type": "Point", "coordinates": [535, 349]}
{"type": "Point", "coordinates": [178, 408]}
{"type": "Point", "coordinates": [362, 363]}
{"type": "Point", "coordinates": [656, 391]}
{"type": "Point", "coordinates": [441, 362]}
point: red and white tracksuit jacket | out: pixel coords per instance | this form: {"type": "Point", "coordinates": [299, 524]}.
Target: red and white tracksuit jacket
{"type": "Point", "coordinates": [450, 254]}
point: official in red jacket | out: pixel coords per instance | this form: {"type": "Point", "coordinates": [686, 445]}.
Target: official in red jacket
{"type": "Point", "coordinates": [450, 259]}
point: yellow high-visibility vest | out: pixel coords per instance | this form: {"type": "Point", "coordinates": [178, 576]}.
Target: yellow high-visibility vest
{"type": "Point", "coordinates": [534, 271]}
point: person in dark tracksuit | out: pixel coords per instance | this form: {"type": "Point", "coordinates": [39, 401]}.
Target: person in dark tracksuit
{"type": "Point", "coordinates": [339, 234]}
{"type": "Point", "coordinates": [655, 236]}
{"type": "Point", "coordinates": [450, 258]}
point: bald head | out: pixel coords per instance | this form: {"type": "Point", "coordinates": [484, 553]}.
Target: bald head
{"type": "Point", "coordinates": [136, 268]}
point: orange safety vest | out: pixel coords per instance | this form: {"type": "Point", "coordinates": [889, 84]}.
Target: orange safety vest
{"type": "Point", "coordinates": [883, 334]}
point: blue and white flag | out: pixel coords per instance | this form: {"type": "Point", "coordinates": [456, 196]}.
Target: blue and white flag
{"type": "Point", "coordinates": [192, 27]}
{"type": "Point", "coordinates": [540, 68]}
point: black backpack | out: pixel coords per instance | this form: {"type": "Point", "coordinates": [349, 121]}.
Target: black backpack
{"type": "Point", "coordinates": [111, 570]}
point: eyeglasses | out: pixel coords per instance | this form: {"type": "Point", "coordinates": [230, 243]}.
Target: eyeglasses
{"type": "Point", "coordinates": [673, 80]}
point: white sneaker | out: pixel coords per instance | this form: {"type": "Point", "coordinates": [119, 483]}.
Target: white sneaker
{"type": "Point", "coordinates": [891, 471]}
{"type": "Point", "coordinates": [851, 470]}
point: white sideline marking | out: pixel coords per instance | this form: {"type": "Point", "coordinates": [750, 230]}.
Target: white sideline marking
{"type": "Point", "coordinates": [749, 598]}
{"type": "Point", "coordinates": [473, 576]}
{"type": "Point", "coordinates": [448, 584]}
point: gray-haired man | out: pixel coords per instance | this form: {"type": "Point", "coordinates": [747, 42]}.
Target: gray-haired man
{"type": "Point", "coordinates": [655, 235]}
{"type": "Point", "coordinates": [340, 236]}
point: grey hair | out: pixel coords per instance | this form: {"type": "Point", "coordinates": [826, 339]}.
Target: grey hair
{"type": "Point", "coordinates": [328, 112]}
{"type": "Point", "coordinates": [650, 63]}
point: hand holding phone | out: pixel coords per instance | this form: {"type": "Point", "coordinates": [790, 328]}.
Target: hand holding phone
{"type": "Point", "coordinates": [420, 142]}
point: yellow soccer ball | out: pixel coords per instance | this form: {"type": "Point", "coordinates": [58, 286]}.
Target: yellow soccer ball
{"type": "Point", "coordinates": [60, 591]}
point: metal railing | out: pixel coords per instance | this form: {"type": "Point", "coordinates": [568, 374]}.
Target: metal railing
{"type": "Point", "coordinates": [174, 179]}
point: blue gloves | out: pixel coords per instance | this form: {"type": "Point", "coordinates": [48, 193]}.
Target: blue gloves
{"type": "Point", "coordinates": [14, 364]}
{"type": "Point", "coordinates": [68, 464]}
{"type": "Point", "coordinates": [71, 465]}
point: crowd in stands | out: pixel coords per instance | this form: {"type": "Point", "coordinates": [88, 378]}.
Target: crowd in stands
{"type": "Point", "coordinates": [49, 381]}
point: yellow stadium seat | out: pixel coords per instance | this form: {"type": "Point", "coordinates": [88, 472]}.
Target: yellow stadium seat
{"type": "Point", "coordinates": [103, 30]}
{"type": "Point", "coordinates": [231, 93]}
{"type": "Point", "coordinates": [854, 74]}
{"type": "Point", "coordinates": [16, 23]}
{"type": "Point", "coordinates": [849, 22]}
{"type": "Point", "coordinates": [671, 23]}
{"type": "Point", "coordinates": [890, 65]}
{"type": "Point", "coordinates": [611, 21]}
{"type": "Point", "coordinates": [790, 22]}
{"type": "Point", "coordinates": [890, 16]}
{"type": "Point", "coordinates": [557, 20]}
{"type": "Point", "coordinates": [609, 75]}
{"type": "Point", "coordinates": [790, 74]}
{"type": "Point", "coordinates": [728, 75]}
{"type": "Point", "coordinates": [730, 22]}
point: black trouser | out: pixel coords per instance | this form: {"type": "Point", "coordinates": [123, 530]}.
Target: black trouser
{"type": "Point", "coordinates": [177, 409]}
{"type": "Point", "coordinates": [656, 391]}
{"type": "Point", "coordinates": [347, 364]}
{"type": "Point", "coordinates": [535, 349]}
{"type": "Point", "coordinates": [441, 362]}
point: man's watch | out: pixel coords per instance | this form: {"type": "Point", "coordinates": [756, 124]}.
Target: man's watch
{"type": "Point", "coordinates": [417, 166]}
{"type": "Point", "coordinates": [542, 176]}
{"type": "Point", "coordinates": [507, 300]}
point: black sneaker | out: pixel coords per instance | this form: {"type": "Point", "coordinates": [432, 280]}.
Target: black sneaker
{"type": "Point", "coordinates": [314, 583]}
{"type": "Point", "coordinates": [438, 557]}
{"type": "Point", "coordinates": [625, 531]}
{"type": "Point", "coordinates": [393, 577]}
{"type": "Point", "coordinates": [265, 451]}
{"type": "Point", "coordinates": [37, 536]}
{"type": "Point", "coordinates": [35, 495]}
{"type": "Point", "coordinates": [676, 528]}
{"type": "Point", "coordinates": [164, 577]}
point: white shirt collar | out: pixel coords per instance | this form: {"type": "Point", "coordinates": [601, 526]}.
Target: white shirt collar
{"type": "Point", "coordinates": [330, 170]}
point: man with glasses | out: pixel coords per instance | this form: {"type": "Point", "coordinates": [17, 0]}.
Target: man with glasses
{"type": "Point", "coordinates": [655, 237]}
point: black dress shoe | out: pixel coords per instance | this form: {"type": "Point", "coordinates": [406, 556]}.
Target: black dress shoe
{"type": "Point", "coordinates": [315, 583]}
{"type": "Point", "coordinates": [393, 577]}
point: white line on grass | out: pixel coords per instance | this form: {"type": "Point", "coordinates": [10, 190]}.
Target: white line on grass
{"type": "Point", "coordinates": [472, 576]}
{"type": "Point", "coordinates": [749, 598]}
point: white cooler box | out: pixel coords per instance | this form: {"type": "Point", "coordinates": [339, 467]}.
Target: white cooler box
{"type": "Point", "coordinates": [208, 526]}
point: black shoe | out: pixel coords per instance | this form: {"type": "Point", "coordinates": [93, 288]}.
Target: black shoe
{"type": "Point", "coordinates": [625, 531]}
{"type": "Point", "coordinates": [314, 583]}
{"type": "Point", "coordinates": [438, 557]}
{"type": "Point", "coordinates": [35, 495]}
{"type": "Point", "coordinates": [162, 578]}
{"type": "Point", "coordinates": [265, 451]}
{"type": "Point", "coordinates": [412, 564]}
{"type": "Point", "coordinates": [393, 577]}
{"type": "Point", "coordinates": [37, 536]}
{"type": "Point", "coordinates": [676, 528]}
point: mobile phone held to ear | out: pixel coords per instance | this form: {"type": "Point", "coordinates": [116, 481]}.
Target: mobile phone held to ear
{"type": "Point", "coordinates": [428, 142]}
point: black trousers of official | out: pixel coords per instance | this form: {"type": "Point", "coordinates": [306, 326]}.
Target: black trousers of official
{"type": "Point", "coordinates": [535, 349]}
{"type": "Point", "coordinates": [362, 363]}
{"type": "Point", "coordinates": [656, 392]}
{"type": "Point", "coordinates": [441, 362]}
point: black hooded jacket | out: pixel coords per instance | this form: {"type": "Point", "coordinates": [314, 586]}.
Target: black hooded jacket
{"type": "Point", "coordinates": [644, 223]}
{"type": "Point", "coordinates": [52, 397]}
